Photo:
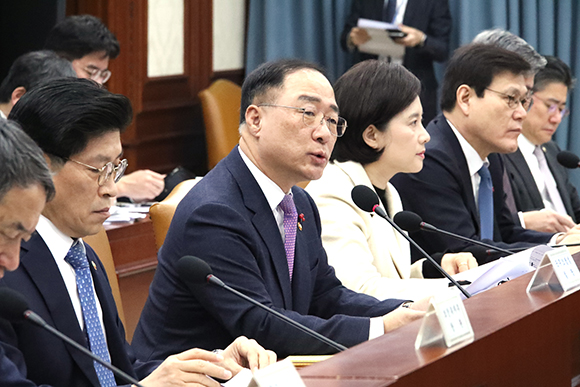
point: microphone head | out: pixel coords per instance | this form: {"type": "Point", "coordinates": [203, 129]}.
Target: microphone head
{"type": "Point", "coordinates": [408, 221]}
{"type": "Point", "coordinates": [365, 198]}
{"type": "Point", "coordinates": [193, 270]}
{"type": "Point", "coordinates": [13, 305]}
{"type": "Point", "coordinates": [568, 159]}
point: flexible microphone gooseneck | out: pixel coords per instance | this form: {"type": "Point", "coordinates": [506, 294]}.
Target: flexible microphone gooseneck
{"type": "Point", "coordinates": [367, 200]}
{"type": "Point", "coordinates": [14, 308]}
{"type": "Point", "coordinates": [568, 159]}
{"type": "Point", "coordinates": [195, 271]}
{"type": "Point", "coordinates": [410, 221]}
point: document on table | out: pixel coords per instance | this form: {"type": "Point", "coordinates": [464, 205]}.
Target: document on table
{"type": "Point", "coordinates": [380, 43]}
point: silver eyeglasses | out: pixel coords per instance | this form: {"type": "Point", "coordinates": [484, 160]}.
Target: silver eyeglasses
{"type": "Point", "coordinates": [335, 124]}
{"type": "Point", "coordinates": [553, 108]}
{"type": "Point", "coordinates": [101, 76]}
{"type": "Point", "coordinates": [513, 100]}
{"type": "Point", "coordinates": [106, 171]}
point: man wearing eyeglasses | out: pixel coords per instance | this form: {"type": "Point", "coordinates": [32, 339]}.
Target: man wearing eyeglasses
{"type": "Point", "coordinates": [260, 234]}
{"type": "Point", "coordinates": [89, 45]}
{"type": "Point", "coordinates": [78, 126]}
{"type": "Point", "coordinates": [485, 99]}
{"type": "Point", "coordinates": [543, 195]}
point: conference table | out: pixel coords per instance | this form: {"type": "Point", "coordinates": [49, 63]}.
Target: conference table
{"type": "Point", "coordinates": [520, 339]}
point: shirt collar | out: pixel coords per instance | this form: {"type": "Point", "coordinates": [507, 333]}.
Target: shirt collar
{"type": "Point", "coordinates": [474, 161]}
{"type": "Point", "coordinates": [525, 145]}
{"type": "Point", "coordinates": [271, 190]}
{"type": "Point", "coordinates": [2, 115]}
{"type": "Point", "coordinates": [58, 243]}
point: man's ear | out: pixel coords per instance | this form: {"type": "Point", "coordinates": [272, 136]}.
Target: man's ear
{"type": "Point", "coordinates": [17, 94]}
{"type": "Point", "coordinates": [463, 97]}
{"type": "Point", "coordinates": [370, 137]}
{"type": "Point", "coordinates": [253, 120]}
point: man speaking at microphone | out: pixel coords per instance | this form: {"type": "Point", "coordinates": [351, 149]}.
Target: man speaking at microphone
{"type": "Point", "coordinates": [78, 126]}
{"type": "Point", "coordinates": [460, 189]}
{"type": "Point", "coordinates": [261, 234]}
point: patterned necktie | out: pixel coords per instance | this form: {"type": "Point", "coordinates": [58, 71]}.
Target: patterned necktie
{"type": "Point", "coordinates": [77, 258]}
{"type": "Point", "coordinates": [389, 9]}
{"type": "Point", "coordinates": [290, 225]}
{"type": "Point", "coordinates": [485, 203]}
{"type": "Point", "coordinates": [549, 182]}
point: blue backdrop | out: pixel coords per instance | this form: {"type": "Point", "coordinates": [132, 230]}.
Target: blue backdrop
{"type": "Point", "coordinates": [310, 29]}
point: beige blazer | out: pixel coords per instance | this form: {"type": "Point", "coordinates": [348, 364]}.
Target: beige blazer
{"type": "Point", "coordinates": [369, 256]}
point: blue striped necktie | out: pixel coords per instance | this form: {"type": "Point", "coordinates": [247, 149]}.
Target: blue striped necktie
{"type": "Point", "coordinates": [77, 258]}
{"type": "Point", "coordinates": [485, 203]}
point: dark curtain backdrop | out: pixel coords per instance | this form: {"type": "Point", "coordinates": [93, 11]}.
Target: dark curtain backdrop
{"type": "Point", "coordinates": [310, 29]}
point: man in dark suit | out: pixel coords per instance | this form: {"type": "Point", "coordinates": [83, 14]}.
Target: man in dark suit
{"type": "Point", "coordinates": [460, 189]}
{"type": "Point", "coordinates": [25, 187]}
{"type": "Point", "coordinates": [544, 197]}
{"type": "Point", "coordinates": [78, 126]}
{"type": "Point", "coordinates": [427, 24]}
{"type": "Point", "coordinates": [239, 219]}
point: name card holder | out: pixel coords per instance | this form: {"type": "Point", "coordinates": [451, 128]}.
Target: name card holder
{"type": "Point", "coordinates": [446, 321]}
{"type": "Point", "coordinates": [280, 374]}
{"type": "Point", "coordinates": [557, 271]}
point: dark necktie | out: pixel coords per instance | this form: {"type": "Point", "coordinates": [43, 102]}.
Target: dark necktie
{"type": "Point", "coordinates": [485, 203]}
{"type": "Point", "coordinates": [77, 258]}
{"type": "Point", "coordinates": [389, 9]}
{"type": "Point", "coordinates": [290, 225]}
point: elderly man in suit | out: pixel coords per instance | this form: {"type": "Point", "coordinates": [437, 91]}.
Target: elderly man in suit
{"type": "Point", "coordinates": [460, 189]}
{"type": "Point", "coordinates": [78, 126]}
{"type": "Point", "coordinates": [261, 234]}
{"type": "Point", "coordinates": [544, 197]}
{"type": "Point", "coordinates": [427, 24]}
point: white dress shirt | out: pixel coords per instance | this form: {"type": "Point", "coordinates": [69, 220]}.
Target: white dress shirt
{"type": "Point", "coordinates": [59, 244]}
{"type": "Point", "coordinates": [274, 196]}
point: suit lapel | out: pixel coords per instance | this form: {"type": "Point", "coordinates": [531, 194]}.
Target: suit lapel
{"type": "Point", "coordinates": [38, 261]}
{"type": "Point", "coordinates": [560, 178]}
{"type": "Point", "coordinates": [519, 162]}
{"type": "Point", "coordinates": [263, 220]}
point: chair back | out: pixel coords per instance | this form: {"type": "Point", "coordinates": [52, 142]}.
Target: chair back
{"type": "Point", "coordinates": [221, 114]}
{"type": "Point", "coordinates": [162, 212]}
{"type": "Point", "coordinates": [100, 243]}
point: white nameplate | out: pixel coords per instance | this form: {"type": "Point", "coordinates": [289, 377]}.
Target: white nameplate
{"type": "Point", "coordinates": [556, 268]}
{"type": "Point", "coordinates": [445, 319]}
{"type": "Point", "coordinates": [280, 374]}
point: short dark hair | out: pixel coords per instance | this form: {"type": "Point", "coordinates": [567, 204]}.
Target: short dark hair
{"type": "Point", "coordinates": [476, 65]}
{"type": "Point", "coordinates": [268, 76]}
{"type": "Point", "coordinates": [30, 69]}
{"type": "Point", "coordinates": [22, 161]}
{"type": "Point", "coordinates": [80, 35]}
{"type": "Point", "coordinates": [63, 115]}
{"type": "Point", "coordinates": [555, 71]}
{"type": "Point", "coordinates": [371, 93]}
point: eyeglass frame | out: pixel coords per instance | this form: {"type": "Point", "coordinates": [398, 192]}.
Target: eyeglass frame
{"type": "Point", "coordinates": [103, 178]}
{"type": "Point", "coordinates": [552, 108]}
{"type": "Point", "coordinates": [511, 100]}
{"type": "Point", "coordinates": [304, 110]}
{"type": "Point", "coordinates": [95, 74]}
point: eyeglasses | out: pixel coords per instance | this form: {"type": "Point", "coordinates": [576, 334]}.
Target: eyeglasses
{"type": "Point", "coordinates": [106, 171]}
{"type": "Point", "coordinates": [335, 124]}
{"type": "Point", "coordinates": [101, 76]}
{"type": "Point", "coordinates": [513, 100]}
{"type": "Point", "coordinates": [553, 108]}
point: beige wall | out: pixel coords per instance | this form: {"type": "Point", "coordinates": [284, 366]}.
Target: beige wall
{"type": "Point", "coordinates": [228, 34]}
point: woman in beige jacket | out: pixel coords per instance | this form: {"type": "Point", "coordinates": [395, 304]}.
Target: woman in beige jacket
{"type": "Point", "coordinates": [380, 102]}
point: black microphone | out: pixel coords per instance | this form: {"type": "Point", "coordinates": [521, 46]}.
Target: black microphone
{"type": "Point", "coordinates": [195, 271]}
{"type": "Point", "coordinates": [568, 159]}
{"type": "Point", "coordinates": [367, 200]}
{"type": "Point", "coordinates": [14, 308]}
{"type": "Point", "coordinates": [411, 222]}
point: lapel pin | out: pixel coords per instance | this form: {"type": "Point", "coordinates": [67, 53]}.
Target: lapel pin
{"type": "Point", "coordinates": [94, 265]}
{"type": "Point", "coordinates": [301, 219]}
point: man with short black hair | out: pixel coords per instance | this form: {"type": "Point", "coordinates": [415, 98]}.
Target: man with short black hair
{"type": "Point", "coordinates": [89, 45]}
{"type": "Point", "coordinates": [27, 71]}
{"type": "Point", "coordinates": [484, 99]}
{"type": "Point", "coordinates": [78, 126]}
